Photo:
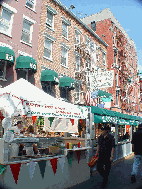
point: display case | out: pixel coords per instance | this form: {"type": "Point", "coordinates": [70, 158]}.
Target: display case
{"type": "Point", "coordinates": [29, 147]}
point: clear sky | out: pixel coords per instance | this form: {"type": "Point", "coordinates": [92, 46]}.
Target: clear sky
{"type": "Point", "coordinates": [127, 12]}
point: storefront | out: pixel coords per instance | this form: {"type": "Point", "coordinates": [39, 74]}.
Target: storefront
{"type": "Point", "coordinates": [28, 157]}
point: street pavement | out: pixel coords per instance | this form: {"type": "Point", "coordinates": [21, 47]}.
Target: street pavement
{"type": "Point", "coordinates": [119, 177]}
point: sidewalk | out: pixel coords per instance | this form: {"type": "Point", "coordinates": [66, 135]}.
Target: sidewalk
{"type": "Point", "coordinates": [119, 177]}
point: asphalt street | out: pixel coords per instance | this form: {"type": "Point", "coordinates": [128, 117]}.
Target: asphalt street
{"type": "Point", "coordinates": [119, 177]}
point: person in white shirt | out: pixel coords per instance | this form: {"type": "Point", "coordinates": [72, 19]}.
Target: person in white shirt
{"type": "Point", "coordinates": [17, 128]}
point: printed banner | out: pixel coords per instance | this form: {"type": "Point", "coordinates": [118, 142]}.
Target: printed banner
{"type": "Point", "coordinates": [61, 162]}
{"type": "Point", "coordinates": [69, 157]}
{"type": "Point", "coordinates": [42, 166]}
{"type": "Point", "coordinates": [31, 166]}
{"type": "Point", "coordinates": [15, 169]}
{"type": "Point", "coordinates": [54, 164]}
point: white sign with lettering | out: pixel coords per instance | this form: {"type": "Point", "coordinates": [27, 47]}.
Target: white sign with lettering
{"type": "Point", "coordinates": [33, 66]}
{"type": "Point", "coordinates": [9, 57]}
{"type": "Point", "coordinates": [102, 79]}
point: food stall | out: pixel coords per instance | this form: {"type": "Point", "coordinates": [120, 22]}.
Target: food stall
{"type": "Point", "coordinates": [36, 160]}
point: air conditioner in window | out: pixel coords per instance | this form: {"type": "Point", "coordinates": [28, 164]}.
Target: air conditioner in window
{"type": "Point", "coordinates": [49, 22]}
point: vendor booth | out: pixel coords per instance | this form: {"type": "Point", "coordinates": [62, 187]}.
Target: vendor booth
{"type": "Point", "coordinates": [36, 158]}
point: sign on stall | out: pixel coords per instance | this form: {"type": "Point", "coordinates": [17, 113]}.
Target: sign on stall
{"type": "Point", "coordinates": [102, 79]}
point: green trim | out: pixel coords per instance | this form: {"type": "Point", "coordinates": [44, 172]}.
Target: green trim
{"type": "Point", "coordinates": [51, 9]}
{"type": "Point", "coordinates": [49, 37]}
{"type": "Point", "coordinates": [49, 75]}
{"type": "Point", "coordinates": [65, 46]}
{"type": "Point", "coordinates": [66, 21]}
{"type": "Point", "coordinates": [26, 62]}
{"type": "Point", "coordinates": [7, 54]}
{"type": "Point", "coordinates": [66, 82]}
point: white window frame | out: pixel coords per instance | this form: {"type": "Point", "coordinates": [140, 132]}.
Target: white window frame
{"type": "Point", "coordinates": [78, 57]}
{"type": "Point", "coordinates": [104, 53]}
{"type": "Point", "coordinates": [34, 4]}
{"type": "Point", "coordinates": [66, 56]}
{"type": "Point", "coordinates": [62, 29]}
{"type": "Point", "coordinates": [117, 99]}
{"type": "Point", "coordinates": [116, 79]}
{"type": "Point", "coordinates": [47, 23]}
{"type": "Point", "coordinates": [49, 58]}
{"type": "Point", "coordinates": [12, 11]}
{"type": "Point", "coordinates": [31, 23]}
{"type": "Point", "coordinates": [97, 53]}
{"type": "Point", "coordinates": [77, 35]}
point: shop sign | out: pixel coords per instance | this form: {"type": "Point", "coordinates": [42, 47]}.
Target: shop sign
{"type": "Point", "coordinates": [109, 119]}
{"type": "Point", "coordinates": [33, 66]}
{"type": "Point", "coordinates": [9, 57]}
{"type": "Point", "coordinates": [102, 79]}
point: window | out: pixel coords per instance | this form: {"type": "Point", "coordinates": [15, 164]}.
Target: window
{"type": "Point", "coordinates": [64, 29]}
{"type": "Point", "coordinates": [48, 48]}
{"type": "Point", "coordinates": [49, 88]}
{"type": "Point", "coordinates": [97, 53]}
{"type": "Point", "coordinates": [104, 58]}
{"type": "Point", "coordinates": [27, 30]}
{"type": "Point", "coordinates": [93, 25]}
{"type": "Point", "coordinates": [116, 79]}
{"type": "Point", "coordinates": [113, 40]}
{"type": "Point", "coordinates": [117, 96]}
{"type": "Point", "coordinates": [49, 20]}
{"type": "Point", "coordinates": [3, 65]}
{"type": "Point", "coordinates": [88, 63]}
{"type": "Point", "coordinates": [64, 93]}
{"type": "Point", "coordinates": [77, 37]}
{"type": "Point", "coordinates": [77, 92]}
{"type": "Point", "coordinates": [115, 59]}
{"type": "Point", "coordinates": [6, 20]}
{"type": "Point", "coordinates": [77, 63]}
{"type": "Point", "coordinates": [88, 42]}
{"type": "Point", "coordinates": [64, 56]}
{"type": "Point", "coordinates": [31, 4]}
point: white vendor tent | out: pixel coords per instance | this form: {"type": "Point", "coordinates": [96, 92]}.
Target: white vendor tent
{"type": "Point", "coordinates": [29, 100]}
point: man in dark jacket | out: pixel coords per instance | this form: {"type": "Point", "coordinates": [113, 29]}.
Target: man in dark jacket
{"type": "Point", "coordinates": [105, 150]}
{"type": "Point", "coordinates": [136, 148]}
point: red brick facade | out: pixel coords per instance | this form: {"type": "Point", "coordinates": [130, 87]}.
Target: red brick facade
{"type": "Point", "coordinates": [108, 28]}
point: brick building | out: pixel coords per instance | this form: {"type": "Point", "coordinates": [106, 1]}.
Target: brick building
{"type": "Point", "coordinates": [66, 53]}
{"type": "Point", "coordinates": [122, 58]}
{"type": "Point", "coordinates": [19, 27]}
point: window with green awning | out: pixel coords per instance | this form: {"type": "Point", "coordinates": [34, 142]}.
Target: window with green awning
{"type": "Point", "coordinates": [49, 76]}
{"type": "Point", "coordinates": [26, 62]}
{"type": "Point", "coordinates": [7, 54]}
{"type": "Point", "coordinates": [66, 82]}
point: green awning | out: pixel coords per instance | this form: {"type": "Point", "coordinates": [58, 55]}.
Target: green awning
{"type": "Point", "coordinates": [102, 93]}
{"type": "Point", "coordinates": [66, 82]}
{"type": "Point", "coordinates": [26, 62]}
{"type": "Point", "coordinates": [49, 75]}
{"type": "Point", "coordinates": [7, 54]}
{"type": "Point", "coordinates": [105, 119]}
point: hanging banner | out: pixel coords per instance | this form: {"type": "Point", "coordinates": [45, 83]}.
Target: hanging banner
{"type": "Point", "coordinates": [31, 166]}
{"type": "Point", "coordinates": [54, 164]}
{"type": "Point", "coordinates": [42, 166]}
{"type": "Point", "coordinates": [69, 157]}
{"type": "Point", "coordinates": [15, 169]}
{"type": "Point", "coordinates": [78, 155]}
{"type": "Point", "coordinates": [102, 79]}
{"type": "Point", "coordinates": [61, 162]}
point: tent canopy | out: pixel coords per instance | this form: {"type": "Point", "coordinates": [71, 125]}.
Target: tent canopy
{"type": "Point", "coordinates": [33, 101]}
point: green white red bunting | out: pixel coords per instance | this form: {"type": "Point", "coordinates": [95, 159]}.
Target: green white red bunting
{"type": "Point", "coordinates": [15, 169]}
{"type": "Point", "coordinates": [31, 166]}
{"type": "Point", "coordinates": [42, 166]}
{"type": "Point", "coordinates": [54, 164]}
{"type": "Point", "coordinates": [61, 162]}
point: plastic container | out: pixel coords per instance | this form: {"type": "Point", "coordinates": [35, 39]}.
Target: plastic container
{"type": "Point", "coordinates": [67, 145]}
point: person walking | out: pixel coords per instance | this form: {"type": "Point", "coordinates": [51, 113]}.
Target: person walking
{"type": "Point", "coordinates": [105, 152]}
{"type": "Point", "coordinates": [136, 148]}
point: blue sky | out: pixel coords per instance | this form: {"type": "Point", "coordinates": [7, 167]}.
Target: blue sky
{"type": "Point", "coordinates": [127, 12]}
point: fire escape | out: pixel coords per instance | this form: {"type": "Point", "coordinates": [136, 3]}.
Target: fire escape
{"type": "Point", "coordinates": [124, 74]}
